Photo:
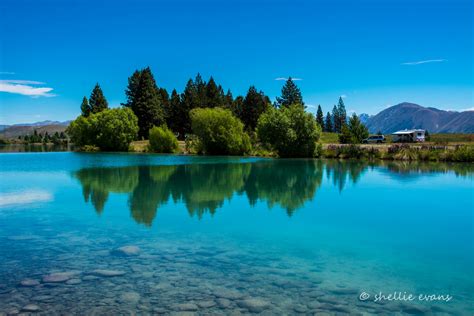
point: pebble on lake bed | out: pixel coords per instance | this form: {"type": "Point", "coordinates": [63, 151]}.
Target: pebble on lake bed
{"type": "Point", "coordinates": [30, 308]}
{"type": "Point", "coordinates": [107, 273]}
{"type": "Point", "coordinates": [29, 282]}
{"type": "Point", "coordinates": [59, 277]}
{"type": "Point", "coordinates": [254, 305]}
{"type": "Point", "coordinates": [127, 251]}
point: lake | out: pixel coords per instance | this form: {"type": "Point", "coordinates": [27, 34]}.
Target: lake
{"type": "Point", "coordinates": [113, 234]}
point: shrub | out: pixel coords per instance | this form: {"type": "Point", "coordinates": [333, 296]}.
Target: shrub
{"type": "Point", "coordinates": [219, 132]}
{"type": "Point", "coordinates": [290, 131]}
{"type": "Point", "coordinates": [111, 129]}
{"type": "Point", "coordinates": [162, 140]}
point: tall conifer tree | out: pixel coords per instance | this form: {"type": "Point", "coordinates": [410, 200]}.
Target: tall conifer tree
{"type": "Point", "coordinates": [290, 94]}
{"type": "Point", "coordinates": [97, 101]}
{"type": "Point", "coordinates": [320, 117]}
{"type": "Point", "coordinates": [253, 105]}
{"type": "Point", "coordinates": [328, 123]}
{"type": "Point", "coordinates": [85, 107]}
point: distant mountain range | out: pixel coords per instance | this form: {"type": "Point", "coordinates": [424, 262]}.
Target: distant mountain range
{"type": "Point", "coordinates": [409, 115]}
{"type": "Point", "coordinates": [398, 117]}
{"type": "Point", "coordinates": [15, 130]}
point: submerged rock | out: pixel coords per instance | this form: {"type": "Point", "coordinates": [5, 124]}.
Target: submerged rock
{"type": "Point", "coordinates": [31, 308]}
{"type": "Point", "coordinates": [59, 277]}
{"type": "Point", "coordinates": [223, 302]}
{"type": "Point", "coordinates": [127, 251]}
{"type": "Point", "coordinates": [107, 273]}
{"type": "Point", "coordinates": [186, 307]}
{"type": "Point", "coordinates": [29, 282]}
{"type": "Point", "coordinates": [254, 305]}
{"type": "Point", "coordinates": [130, 297]}
{"type": "Point", "coordinates": [73, 281]}
{"type": "Point", "coordinates": [206, 304]}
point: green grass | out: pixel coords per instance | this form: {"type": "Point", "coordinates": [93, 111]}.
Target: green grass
{"type": "Point", "coordinates": [452, 138]}
{"type": "Point", "coordinates": [329, 138]}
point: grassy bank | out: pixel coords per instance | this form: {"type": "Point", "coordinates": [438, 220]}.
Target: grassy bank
{"type": "Point", "coordinates": [399, 152]}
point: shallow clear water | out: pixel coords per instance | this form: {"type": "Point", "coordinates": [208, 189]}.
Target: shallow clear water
{"type": "Point", "coordinates": [219, 235]}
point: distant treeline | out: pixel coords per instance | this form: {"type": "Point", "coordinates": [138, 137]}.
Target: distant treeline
{"type": "Point", "coordinates": [45, 138]}
{"type": "Point", "coordinates": [219, 122]}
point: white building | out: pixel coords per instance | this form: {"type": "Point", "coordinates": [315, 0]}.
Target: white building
{"type": "Point", "coordinates": [409, 136]}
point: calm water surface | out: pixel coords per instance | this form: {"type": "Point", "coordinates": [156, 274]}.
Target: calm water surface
{"type": "Point", "coordinates": [233, 235]}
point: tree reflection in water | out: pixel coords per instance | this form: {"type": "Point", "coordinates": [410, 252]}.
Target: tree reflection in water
{"type": "Point", "coordinates": [288, 183]}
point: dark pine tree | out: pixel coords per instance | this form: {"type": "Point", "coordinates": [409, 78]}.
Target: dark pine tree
{"type": "Point", "coordinates": [189, 100]}
{"type": "Point", "coordinates": [290, 94]}
{"type": "Point", "coordinates": [228, 100]}
{"type": "Point", "coordinates": [336, 120]}
{"type": "Point", "coordinates": [145, 99]}
{"type": "Point", "coordinates": [341, 110]}
{"type": "Point", "coordinates": [328, 123]}
{"type": "Point", "coordinates": [176, 117]}
{"type": "Point", "coordinates": [85, 107]}
{"type": "Point", "coordinates": [237, 106]}
{"type": "Point", "coordinates": [214, 95]}
{"type": "Point", "coordinates": [320, 117]}
{"type": "Point", "coordinates": [201, 92]}
{"type": "Point", "coordinates": [97, 101]}
{"type": "Point", "coordinates": [253, 105]}
{"type": "Point", "coordinates": [132, 89]}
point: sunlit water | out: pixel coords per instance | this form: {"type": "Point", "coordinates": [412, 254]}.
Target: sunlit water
{"type": "Point", "coordinates": [233, 235]}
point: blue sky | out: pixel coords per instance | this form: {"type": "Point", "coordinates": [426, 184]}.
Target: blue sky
{"type": "Point", "coordinates": [374, 53]}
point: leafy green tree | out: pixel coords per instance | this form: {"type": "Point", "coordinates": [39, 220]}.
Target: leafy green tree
{"type": "Point", "coordinates": [97, 101]}
{"type": "Point", "coordinates": [320, 117]}
{"type": "Point", "coordinates": [112, 129]}
{"type": "Point", "coordinates": [162, 140]}
{"type": "Point", "coordinates": [85, 107]}
{"type": "Point", "coordinates": [219, 132]}
{"type": "Point", "coordinates": [354, 132]}
{"type": "Point", "coordinates": [290, 94]}
{"type": "Point", "coordinates": [254, 104]}
{"type": "Point", "coordinates": [290, 131]}
{"type": "Point", "coordinates": [358, 130]}
{"type": "Point", "coordinates": [345, 136]}
{"type": "Point", "coordinates": [328, 123]}
{"type": "Point", "coordinates": [145, 99]}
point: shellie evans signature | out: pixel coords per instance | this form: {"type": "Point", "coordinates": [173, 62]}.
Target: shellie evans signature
{"type": "Point", "coordinates": [404, 296]}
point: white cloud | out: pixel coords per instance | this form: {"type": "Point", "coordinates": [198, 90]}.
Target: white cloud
{"type": "Point", "coordinates": [25, 87]}
{"type": "Point", "coordinates": [24, 197]}
{"type": "Point", "coordinates": [283, 78]}
{"type": "Point", "coordinates": [343, 96]}
{"type": "Point", "coordinates": [424, 61]}
{"type": "Point", "coordinates": [311, 106]}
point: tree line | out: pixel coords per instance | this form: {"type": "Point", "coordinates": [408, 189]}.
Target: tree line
{"type": "Point", "coordinates": [153, 106]}
{"type": "Point", "coordinates": [45, 138]}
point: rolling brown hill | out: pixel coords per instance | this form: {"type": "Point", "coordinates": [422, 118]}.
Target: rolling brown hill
{"type": "Point", "coordinates": [409, 115]}
{"type": "Point", "coordinates": [21, 130]}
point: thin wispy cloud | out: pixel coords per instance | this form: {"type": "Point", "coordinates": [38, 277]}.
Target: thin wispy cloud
{"type": "Point", "coordinates": [428, 61]}
{"type": "Point", "coordinates": [6, 73]}
{"type": "Point", "coordinates": [284, 79]}
{"type": "Point", "coordinates": [343, 96]}
{"type": "Point", "coordinates": [26, 87]}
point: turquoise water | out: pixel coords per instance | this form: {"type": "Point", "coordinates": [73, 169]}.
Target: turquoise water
{"type": "Point", "coordinates": [219, 235]}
